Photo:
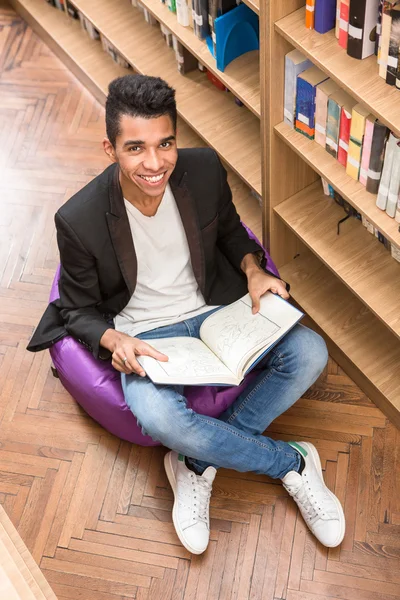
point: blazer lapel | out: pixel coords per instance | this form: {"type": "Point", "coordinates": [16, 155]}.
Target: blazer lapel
{"type": "Point", "coordinates": [120, 232]}
{"type": "Point", "coordinates": [188, 213]}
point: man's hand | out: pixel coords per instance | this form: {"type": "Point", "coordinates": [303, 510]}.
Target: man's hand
{"type": "Point", "coordinates": [124, 350]}
{"type": "Point", "coordinates": [259, 282]}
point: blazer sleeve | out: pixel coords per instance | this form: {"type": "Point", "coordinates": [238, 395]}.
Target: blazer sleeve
{"type": "Point", "coordinates": [79, 290]}
{"type": "Point", "coordinates": [233, 239]}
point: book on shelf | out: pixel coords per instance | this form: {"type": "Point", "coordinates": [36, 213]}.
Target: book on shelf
{"type": "Point", "coordinates": [344, 23]}
{"type": "Point", "coordinates": [305, 100]}
{"type": "Point", "coordinates": [325, 15]}
{"type": "Point", "coordinates": [379, 137]}
{"type": "Point", "coordinates": [358, 117]}
{"type": "Point", "coordinates": [232, 342]}
{"type": "Point", "coordinates": [202, 28]}
{"type": "Point", "coordinates": [182, 12]}
{"type": "Point", "coordinates": [394, 184]}
{"type": "Point", "coordinates": [167, 34]}
{"type": "Point", "coordinates": [366, 149]}
{"type": "Point", "coordinates": [395, 252]}
{"type": "Point", "coordinates": [217, 8]}
{"type": "Point", "coordinates": [185, 60]}
{"type": "Point", "coordinates": [71, 10]}
{"type": "Point", "coordinates": [88, 27]}
{"type": "Point", "coordinates": [323, 92]}
{"type": "Point", "coordinates": [378, 30]}
{"type": "Point", "coordinates": [384, 41]}
{"type": "Point", "coordinates": [344, 130]}
{"type": "Point", "coordinates": [363, 15]}
{"type": "Point", "coordinates": [336, 102]}
{"type": "Point", "coordinates": [337, 19]}
{"type": "Point", "coordinates": [295, 63]}
{"type": "Point", "coordinates": [384, 184]}
{"type": "Point", "coordinates": [171, 5]}
{"type": "Point", "coordinates": [310, 13]}
{"type": "Point", "coordinates": [394, 46]}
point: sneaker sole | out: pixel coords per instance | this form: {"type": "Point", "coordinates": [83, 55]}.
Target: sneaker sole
{"type": "Point", "coordinates": [315, 456]}
{"type": "Point", "coordinates": [172, 482]}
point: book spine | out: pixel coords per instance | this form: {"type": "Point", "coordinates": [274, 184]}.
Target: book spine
{"type": "Point", "coordinates": [305, 96]}
{"type": "Point", "coordinates": [377, 155]}
{"type": "Point", "coordinates": [325, 15]}
{"type": "Point", "coordinates": [344, 136]}
{"type": "Point", "coordinates": [397, 215]}
{"type": "Point", "coordinates": [395, 252]}
{"type": "Point", "coordinates": [321, 114]}
{"type": "Point", "coordinates": [310, 14]}
{"type": "Point", "coordinates": [393, 194]}
{"type": "Point", "coordinates": [344, 23]}
{"type": "Point", "coordinates": [362, 20]}
{"type": "Point", "coordinates": [337, 20]}
{"type": "Point", "coordinates": [366, 151]}
{"type": "Point", "coordinates": [378, 30]}
{"type": "Point", "coordinates": [182, 13]}
{"type": "Point", "coordinates": [332, 127]}
{"type": "Point", "coordinates": [355, 144]}
{"type": "Point", "coordinates": [385, 37]}
{"type": "Point", "coordinates": [291, 73]}
{"type": "Point", "coordinates": [394, 43]}
{"type": "Point", "coordinates": [383, 191]}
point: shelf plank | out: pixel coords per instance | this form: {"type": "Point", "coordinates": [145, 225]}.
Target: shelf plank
{"type": "Point", "coordinates": [212, 114]}
{"type": "Point", "coordinates": [356, 256]}
{"type": "Point", "coordinates": [254, 5]}
{"type": "Point", "coordinates": [242, 76]}
{"type": "Point", "coordinates": [358, 77]}
{"type": "Point", "coordinates": [96, 69]}
{"type": "Point", "coordinates": [367, 344]}
{"type": "Point", "coordinates": [331, 170]}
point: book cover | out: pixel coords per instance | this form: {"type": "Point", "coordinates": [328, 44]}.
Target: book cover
{"type": "Point", "coordinates": [295, 63]}
{"type": "Point", "coordinates": [344, 131]}
{"type": "Point", "coordinates": [394, 46]}
{"type": "Point", "coordinates": [384, 184]}
{"type": "Point", "coordinates": [325, 15]}
{"type": "Point", "coordinates": [366, 150]}
{"type": "Point", "coordinates": [323, 92]}
{"type": "Point", "coordinates": [335, 103]}
{"type": "Point", "coordinates": [305, 100]}
{"type": "Point", "coordinates": [344, 23]}
{"type": "Point", "coordinates": [310, 10]}
{"type": "Point", "coordinates": [380, 135]}
{"type": "Point", "coordinates": [358, 117]}
{"type": "Point", "coordinates": [363, 15]}
{"type": "Point", "coordinates": [232, 341]}
{"type": "Point", "coordinates": [394, 184]}
{"type": "Point", "coordinates": [386, 27]}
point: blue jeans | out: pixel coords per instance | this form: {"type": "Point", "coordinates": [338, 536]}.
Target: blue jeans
{"type": "Point", "coordinates": [234, 440]}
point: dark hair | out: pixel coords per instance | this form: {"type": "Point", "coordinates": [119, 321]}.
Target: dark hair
{"type": "Point", "coordinates": [138, 96]}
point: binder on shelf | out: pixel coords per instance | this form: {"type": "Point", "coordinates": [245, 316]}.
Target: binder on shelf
{"type": "Point", "coordinates": [344, 23]}
{"type": "Point", "coordinates": [366, 149]}
{"type": "Point", "coordinates": [384, 184]}
{"type": "Point", "coordinates": [363, 15]}
{"type": "Point", "coordinates": [323, 92]}
{"type": "Point", "coordinates": [310, 14]}
{"type": "Point", "coordinates": [358, 117]}
{"type": "Point", "coordinates": [394, 46]}
{"type": "Point", "coordinates": [379, 137]}
{"type": "Point", "coordinates": [335, 103]}
{"type": "Point", "coordinates": [325, 15]}
{"type": "Point", "coordinates": [394, 185]}
{"type": "Point", "coordinates": [344, 130]}
{"type": "Point", "coordinates": [295, 63]}
{"type": "Point", "coordinates": [305, 100]}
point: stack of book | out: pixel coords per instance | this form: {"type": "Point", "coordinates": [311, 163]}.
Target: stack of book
{"type": "Point", "coordinates": [319, 109]}
{"type": "Point", "coordinates": [363, 28]}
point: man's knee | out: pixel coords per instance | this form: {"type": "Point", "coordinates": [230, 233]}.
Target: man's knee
{"type": "Point", "coordinates": [309, 350]}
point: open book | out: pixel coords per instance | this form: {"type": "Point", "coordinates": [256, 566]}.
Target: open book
{"type": "Point", "coordinates": [233, 341]}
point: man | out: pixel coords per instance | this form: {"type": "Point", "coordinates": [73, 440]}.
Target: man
{"type": "Point", "coordinates": [148, 249]}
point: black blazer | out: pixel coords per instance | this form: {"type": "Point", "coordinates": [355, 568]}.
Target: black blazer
{"type": "Point", "coordinates": [99, 267]}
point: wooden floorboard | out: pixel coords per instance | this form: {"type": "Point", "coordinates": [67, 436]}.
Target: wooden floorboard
{"type": "Point", "coordinates": [95, 511]}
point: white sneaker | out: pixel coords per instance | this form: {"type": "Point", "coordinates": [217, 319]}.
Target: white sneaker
{"type": "Point", "coordinates": [192, 500]}
{"type": "Point", "coordinates": [319, 507]}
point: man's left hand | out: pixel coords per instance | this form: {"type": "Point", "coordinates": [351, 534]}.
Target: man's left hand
{"type": "Point", "coordinates": [259, 283]}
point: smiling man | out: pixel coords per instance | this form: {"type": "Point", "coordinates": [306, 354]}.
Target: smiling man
{"type": "Point", "coordinates": [148, 249]}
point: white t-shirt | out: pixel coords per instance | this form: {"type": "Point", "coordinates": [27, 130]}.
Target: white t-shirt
{"type": "Point", "coordinates": [166, 290]}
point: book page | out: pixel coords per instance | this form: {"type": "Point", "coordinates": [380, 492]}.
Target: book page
{"type": "Point", "coordinates": [234, 334]}
{"type": "Point", "coordinates": [190, 361]}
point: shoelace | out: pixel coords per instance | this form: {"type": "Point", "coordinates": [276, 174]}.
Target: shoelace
{"type": "Point", "coordinates": [202, 493]}
{"type": "Point", "coordinates": [311, 503]}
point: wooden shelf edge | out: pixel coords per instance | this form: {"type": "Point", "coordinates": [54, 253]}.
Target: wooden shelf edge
{"type": "Point", "coordinates": [329, 168]}
{"type": "Point", "coordinates": [254, 5]}
{"type": "Point", "coordinates": [355, 337]}
{"type": "Point", "coordinates": [359, 78]}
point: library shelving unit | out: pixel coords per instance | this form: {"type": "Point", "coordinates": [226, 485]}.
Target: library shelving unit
{"type": "Point", "coordinates": [348, 284]}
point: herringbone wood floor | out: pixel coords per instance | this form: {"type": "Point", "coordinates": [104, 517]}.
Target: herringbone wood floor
{"type": "Point", "coordinates": [95, 511]}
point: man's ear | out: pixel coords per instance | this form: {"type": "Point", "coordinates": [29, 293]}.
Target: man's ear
{"type": "Point", "coordinates": [109, 149]}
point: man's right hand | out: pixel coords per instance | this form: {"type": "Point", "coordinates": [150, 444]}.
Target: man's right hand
{"type": "Point", "coordinates": [125, 349]}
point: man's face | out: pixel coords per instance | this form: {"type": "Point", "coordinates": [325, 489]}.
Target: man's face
{"type": "Point", "coordinates": [146, 152]}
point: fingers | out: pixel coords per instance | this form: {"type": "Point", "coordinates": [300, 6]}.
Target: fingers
{"type": "Point", "coordinates": [128, 366]}
{"type": "Point", "coordinates": [148, 350]}
{"type": "Point", "coordinates": [281, 291]}
{"type": "Point", "coordinates": [255, 304]}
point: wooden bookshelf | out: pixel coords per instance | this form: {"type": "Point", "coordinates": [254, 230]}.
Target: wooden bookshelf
{"type": "Point", "coordinates": [213, 115]}
{"type": "Point", "coordinates": [357, 258]}
{"type": "Point", "coordinates": [242, 76]}
{"type": "Point", "coordinates": [358, 77]}
{"type": "Point", "coordinates": [329, 168]}
{"type": "Point", "coordinates": [254, 5]}
{"type": "Point", "coordinates": [96, 69]}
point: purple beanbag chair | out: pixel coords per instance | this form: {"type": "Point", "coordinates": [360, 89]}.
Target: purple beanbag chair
{"type": "Point", "coordinates": [96, 385]}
